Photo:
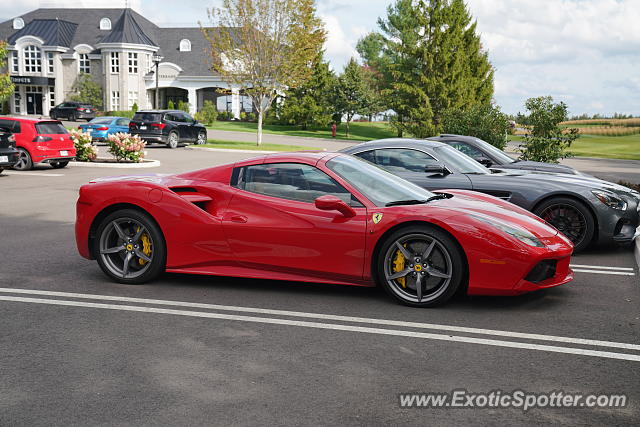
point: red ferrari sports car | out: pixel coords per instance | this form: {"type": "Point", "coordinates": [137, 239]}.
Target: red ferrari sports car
{"type": "Point", "coordinates": [318, 217]}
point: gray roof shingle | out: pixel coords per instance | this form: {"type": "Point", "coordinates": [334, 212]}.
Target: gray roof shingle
{"type": "Point", "coordinates": [54, 32]}
{"type": "Point", "coordinates": [127, 30]}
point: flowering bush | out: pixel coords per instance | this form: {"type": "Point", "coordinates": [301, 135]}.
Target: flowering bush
{"type": "Point", "coordinates": [124, 146]}
{"type": "Point", "coordinates": [85, 150]}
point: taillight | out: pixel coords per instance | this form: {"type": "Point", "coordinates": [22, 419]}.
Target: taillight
{"type": "Point", "coordinates": [103, 128]}
{"type": "Point", "coordinates": [42, 138]}
{"type": "Point", "coordinates": [11, 138]}
{"type": "Point", "coordinates": [79, 127]}
{"type": "Point", "coordinates": [132, 125]}
{"type": "Point", "coordinates": [158, 125]}
{"type": "Point", "coordinates": [79, 109]}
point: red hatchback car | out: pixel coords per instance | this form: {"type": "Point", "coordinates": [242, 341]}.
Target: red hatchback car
{"type": "Point", "coordinates": [40, 141]}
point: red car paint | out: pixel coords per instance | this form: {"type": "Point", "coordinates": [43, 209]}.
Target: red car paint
{"type": "Point", "coordinates": [233, 232]}
{"type": "Point", "coordinates": [43, 150]}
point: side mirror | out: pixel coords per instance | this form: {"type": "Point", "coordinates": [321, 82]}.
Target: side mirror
{"type": "Point", "coordinates": [484, 161]}
{"type": "Point", "coordinates": [332, 203]}
{"type": "Point", "coordinates": [436, 168]}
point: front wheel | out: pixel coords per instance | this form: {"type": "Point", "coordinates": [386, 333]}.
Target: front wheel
{"type": "Point", "coordinates": [73, 117]}
{"type": "Point", "coordinates": [59, 165]}
{"type": "Point", "coordinates": [571, 217]}
{"type": "Point", "coordinates": [130, 247]}
{"type": "Point", "coordinates": [24, 160]}
{"type": "Point", "coordinates": [420, 266]}
{"type": "Point", "coordinates": [202, 138]}
{"type": "Point", "coordinates": [172, 140]}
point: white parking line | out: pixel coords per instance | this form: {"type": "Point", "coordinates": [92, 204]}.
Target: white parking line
{"type": "Point", "coordinates": [615, 273]}
{"type": "Point", "coordinates": [32, 173]}
{"type": "Point", "coordinates": [320, 316]}
{"type": "Point", "coordinates": [333, 326]}
{"type": "Point", "coordinates": [602, 267]}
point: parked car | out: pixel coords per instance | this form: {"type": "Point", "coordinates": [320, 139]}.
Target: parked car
{"type": "Point", "coordinates": [73, 111]}
{"type": "Point", "coordinates": [318, 217]}
{"type": "Point", "coordinates": [8, 151]}
{"type": "Point", "coordinates": [40, 141]}
{"type": "Point", "coordinates": [492, 157]}
{"type": "Point", "coordinates": [587, 210]}
{"type": "Point", "coordinates": [167, 127]}
{"type": "Point", "coordinates": [101, 127]}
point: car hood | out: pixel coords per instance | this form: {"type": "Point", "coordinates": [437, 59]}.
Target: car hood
{"type": "Point", "coordinates": [538, 166]}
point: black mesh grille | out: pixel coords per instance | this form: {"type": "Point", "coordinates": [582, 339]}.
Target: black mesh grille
{"type": "Point", "coordinates": [543, 271]}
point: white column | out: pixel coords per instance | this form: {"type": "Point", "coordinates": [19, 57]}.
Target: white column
{"type": "Point", "coordinates": [235, 102]}
{"type": "Point", "coordinates": [193, 100]}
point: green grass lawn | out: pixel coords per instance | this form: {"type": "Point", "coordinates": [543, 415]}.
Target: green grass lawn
{"type": "Point", "coordinates": [358, 131]}
{"type": "Point", "coordinates": [237, 145]}
{"type": "Point", "coordinates": [609, 147]}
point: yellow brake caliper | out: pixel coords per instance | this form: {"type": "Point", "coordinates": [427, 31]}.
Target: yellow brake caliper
{"type": "Point", "coordinates": [146, 247]}
{"type": "Point", "coordinates": [398, 265]}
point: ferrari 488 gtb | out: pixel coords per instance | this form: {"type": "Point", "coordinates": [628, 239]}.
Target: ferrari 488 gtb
{"type": "Point", "coordinates": [318, 217]}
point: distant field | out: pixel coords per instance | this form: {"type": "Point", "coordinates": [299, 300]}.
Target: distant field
{"type": "Point", "coordinates": [610, 147]}
{"type": "Point", "coordinates": [358, 131]}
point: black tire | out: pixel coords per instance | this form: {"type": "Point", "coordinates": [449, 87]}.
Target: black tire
{"type": "Point", "coordinates": [567, 215]}
{"type": "Point", "coordinates": [201, 138]}
{"type": "Point", "coordinates": [25, 162]}
{"type": "Point", "coordinates": [105, 237]}
{"type": "Point", "coordinates": [59, 165]}
{"type": "Point", "coordinates": [445, 259]}
{"type": "Point", "coordinates": [53, 116]}
{"type": "Point", "coordinates": [73, 117]}
{"type": "Point", "coordinates": [1, 170]}
{"type": "Point", "coordinates": [172, 139]}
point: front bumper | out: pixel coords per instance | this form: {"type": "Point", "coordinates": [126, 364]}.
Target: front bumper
{"type": "Point", "coordinates": [618, 226]}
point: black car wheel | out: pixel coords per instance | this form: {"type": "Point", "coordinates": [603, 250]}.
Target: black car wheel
{"type": "Point", "coordinates": [59, 165]}
{"type": "Point", "coordinates": [129, 247]}
{"type": "Point", "coordinates": [172, 140]}
{"type": "Point", "coordinates": [420, 266]}
{"type": "Point", "coordinates": [570, 217]}
{"type": "Point", "coordinates": [24, 162]}
{"type": "Point", "coordinates": [202, 138]}
{"type": "Point", "coordinates": [53, 116]}
{"type": "Point", "coordinates": [73, 117]}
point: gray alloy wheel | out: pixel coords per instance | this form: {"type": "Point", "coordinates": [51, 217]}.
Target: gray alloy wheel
{"type": "Point", "coordinates": [24, 162]}
{"type": "Point", "coordinates": [172, 141]}
{"type": "Point", "coordinates": [129, 247]}
{"type": "Point", "coordinates": [420, 266]}
{"type": "Point", "coordinates": [59, 165]}
{"type": "Point", "coordinates": [202, 138]}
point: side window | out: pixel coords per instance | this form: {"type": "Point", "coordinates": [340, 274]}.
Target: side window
{"type": "Point", "coordinates": [11, 125]}
{"type": "Point", "coordinates": [292, 181]}
{"type": "Point", "coordinates": [403, 159]}
{"type": "Point", "coordinates": [122, 122]}
{"type": "Point", "coordinates": [467, 149]}
{"type": "Point", "coordinates": [369, 156]}
{"type": "Point", "coordinates": [170, 117]}
{"type": "Point", "coordinates": [187, 118]}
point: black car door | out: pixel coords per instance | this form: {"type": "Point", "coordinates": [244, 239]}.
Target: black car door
{"type": "Point", "coordinates": [174, 124]}
{"type": "Point", "coordinates": [410, 164]}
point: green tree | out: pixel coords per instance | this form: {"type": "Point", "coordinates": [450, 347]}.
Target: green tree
{"type": "Point", "coordinates": [171, 105]}
{"type": "Point", "coordinates": [547, 141]}
{"type": "Point", "coordinates": [208, 114]}
{"type": "Point", "coordinates": [435, 61]}
{"type": "Point", "coordinates": [6, 86]}
{"type": "Point", "coordinates": [310, 103]}
{"type": "Point", "coordinates": [351, 94]}
{"type": "Point", "coordinates": [135, 107]}
{"type": "Point", "coordinates": [483, 121]}
{"type": "Point", "coordinates": [87, 91]}
{"type": "Point", "coordinates": [270, 47]}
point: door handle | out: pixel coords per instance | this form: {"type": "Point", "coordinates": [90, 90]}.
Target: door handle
{"type": "Point", "coordinates": [239, 219]}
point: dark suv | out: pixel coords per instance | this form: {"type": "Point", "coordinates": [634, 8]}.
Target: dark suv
{"type": "Point", "coordinates": [8, 151]}
{"type": "Point", "coordinates": [73, 111]}
{"type": "Point", "coordinates": [168, 127]}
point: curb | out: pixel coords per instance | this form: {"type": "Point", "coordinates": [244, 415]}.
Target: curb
{"type": "Point", "coordinates": [144, 164]}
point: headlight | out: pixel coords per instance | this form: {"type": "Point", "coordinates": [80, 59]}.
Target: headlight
{"type": "Point", "coordinates": [523, 235]}
{"type": "Point", "coordinates": [610, 200]}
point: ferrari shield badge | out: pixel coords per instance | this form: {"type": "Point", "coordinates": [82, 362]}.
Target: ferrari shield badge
{"type": "Point", "coordinates": [377, 217]}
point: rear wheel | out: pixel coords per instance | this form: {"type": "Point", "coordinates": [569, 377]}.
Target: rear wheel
{"type": "Point", "coordinates": [53, 116]}
{"type": "Point", "coordinates": [59, 165]}
{"type": "Point", "coordinates": [130, 247]}
{"type": "Point", "coordinates": [73, 117]}
{"type": "Point", "coordinates": [202, 138]}
{"type": "Point", "coordinates": [172, 140]}
{"type": "Point", "coordinates": [24, 162]}
{"type": "Point", "coordinates": [420, 266]}
{"type": "Point", "coordinates": [571, 217]}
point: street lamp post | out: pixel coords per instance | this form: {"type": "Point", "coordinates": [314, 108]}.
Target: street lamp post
{"type": "Point", "coordinates": [157, 59]}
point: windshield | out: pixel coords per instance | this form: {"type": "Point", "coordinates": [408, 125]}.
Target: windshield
{"type": "Point", "coordinates": [498, 154]}
{"type": "Point", "coordinates": [462, 163]}
{"type": "Point", "coordinates": [376, 184]}
{"type": "Point", "coordinates": [102, 120]}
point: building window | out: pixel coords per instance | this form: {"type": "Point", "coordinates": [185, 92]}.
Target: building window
{"type": "Point", "coordinates": [52, 96]}
{"type": "Point", "coordinates": [32, 59]}
{"type": "Point", "coordinates": [16, 100]}
{"type": "Point", "coordinates": [14, 62]}
{"type": "Point", "coordinates": [133, 98]}
{"type": "Point", "coordinates": [115, 100]}
{"type": "Point", "coordinates": [115, 62]}
{"type": "Point", "coordinates": [185, 45]}
{"type": "Point", "coordinates": [133, 63]}
{"type": "Point", "coordinates": [18, 23]}
{"type": "Point", "coordinates": [84, 63]}
{"type": "Point", "coordinates": [50, 62]}
{"type": "Point", "coordinates": [105, 24]}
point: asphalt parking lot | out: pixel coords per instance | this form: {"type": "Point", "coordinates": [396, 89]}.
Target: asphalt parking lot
{"type": "Point", "coordinates": [77, 349]}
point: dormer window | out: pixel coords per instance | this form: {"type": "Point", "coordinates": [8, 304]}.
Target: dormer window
{"type": "Point", "coordinates": [185, 45]}
{"type": "Point", "coordinates": [105, 24]}
{"type": "Point", "coordinates": [18, 23]}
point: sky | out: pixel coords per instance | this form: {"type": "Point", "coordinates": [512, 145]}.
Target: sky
{"type": "Point", "coordinates": [583, 52]}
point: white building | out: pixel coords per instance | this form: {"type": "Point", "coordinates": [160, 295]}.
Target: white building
{"type": "Point", "coordinates": [119, 49]}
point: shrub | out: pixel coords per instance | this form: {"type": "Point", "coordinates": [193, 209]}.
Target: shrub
{"type": "Point", "coordinates": [171, 105]}
{"type": "Point", "coordinates": [85, 150]}
{"type": "Point", "coordinates": [225, 115]}
{"type": "Point", "coordinates": [208, 114]}
{"type": "Point", "coordinates": [127, 114]}
{"type": "Point", "coordinates": [183, 106]}
{"type": "Point", "coordinates": [135, 107]}
{"type": "Point", "coordinates": [486, 122]}
{"type": "Point", "coordinates": [124, 146]}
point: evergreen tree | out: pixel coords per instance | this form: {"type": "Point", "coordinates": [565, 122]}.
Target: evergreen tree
{"type": "Point", "coordinates": [87, 91]}
{"type": "Point", "coordinates": [352, 95]}
{"type": "Point", "coordinates": [310, 104]}
{"type": "Point", "coordinates": [6, 86]}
